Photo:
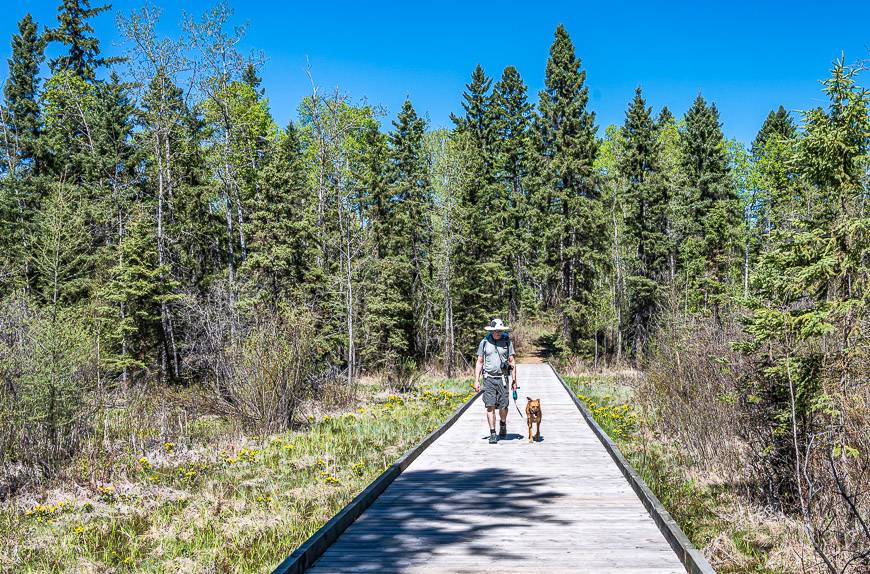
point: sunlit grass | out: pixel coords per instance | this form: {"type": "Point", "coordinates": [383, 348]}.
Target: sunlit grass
{"type": "Point", "coordinates": [665, 470]}
{"type": "Point", "coordinates": [241, 507]}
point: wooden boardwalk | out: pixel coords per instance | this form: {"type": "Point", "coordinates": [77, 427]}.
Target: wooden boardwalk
{"type": "Point", "coordinates": [464, 505]}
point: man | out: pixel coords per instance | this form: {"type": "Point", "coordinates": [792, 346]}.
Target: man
{"type": "Point", "coordinates": [494, 353]}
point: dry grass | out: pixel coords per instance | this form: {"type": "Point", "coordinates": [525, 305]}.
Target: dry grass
{"type": "Point", "coordinates": [735, 534]}
{"type": "Point", "coordinates": [177, 491]}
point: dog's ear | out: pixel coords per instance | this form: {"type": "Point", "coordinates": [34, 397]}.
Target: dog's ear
{"type": "Point", "coordinates": [539, 400]}
{"type": "Point", "coordinates": [528, 399]}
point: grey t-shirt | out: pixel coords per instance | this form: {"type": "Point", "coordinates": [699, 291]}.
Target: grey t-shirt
{"type": "Point", "coordinates": [493, 353]}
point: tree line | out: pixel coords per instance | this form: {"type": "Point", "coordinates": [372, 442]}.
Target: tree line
{"type": "Point", "coordinates": [156, 225]}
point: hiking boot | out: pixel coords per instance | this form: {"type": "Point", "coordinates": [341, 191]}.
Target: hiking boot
{"type": "Point", "coordinates": [493, 438]}
{"type": "Point", "coordinates": [502, 430]}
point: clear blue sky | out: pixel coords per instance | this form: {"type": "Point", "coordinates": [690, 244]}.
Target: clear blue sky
{"type": "Point", "coordinates": [747, 56]}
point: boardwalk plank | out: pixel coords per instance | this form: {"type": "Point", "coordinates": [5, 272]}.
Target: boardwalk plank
{"type": "Point", "coordinates": [559, 505]}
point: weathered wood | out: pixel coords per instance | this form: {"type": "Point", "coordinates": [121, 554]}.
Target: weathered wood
{"type": "Point", "coordinates": [693, 560]}
{"type": "Point", "coordinates": [312, 548]}
{"type": "Point", "coordinates": [464, 505]}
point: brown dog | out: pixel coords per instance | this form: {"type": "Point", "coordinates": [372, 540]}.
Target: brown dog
{"type": "Point", "coordinates": [533, 415]}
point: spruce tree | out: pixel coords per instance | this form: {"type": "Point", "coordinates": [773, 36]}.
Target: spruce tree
{"type": "Point", "coordinates": [137, 287]}
{"type": "Point", "coordinates": [20, 93]}
{"type": "Point", "coordinates": [512, 117]}
{"type": "Point", "coordinates": [571, 219]}
{"type": "Point", "coordinates": [773, 170]}
{"type": "Point", "coordinates": [279, 266]}
{"type": "Point", "coordinates": [668, 138]}
{"type": "Point", "coordinates": [20, 196]}
{"type": "Point", "coordinates": [646, 202]}
{"type": "Point", "coordinates": [253, 79]}
{"type": "Point", "coordinates": [777, 124]}
{"type": "Point", "coordinates": [412, 217]}
{"type": "Point", "coordinates": [803, 338]}
{"type": "Point", "coordinates": [714, 209]}
{"type": "Point", "coordinates": [478, 264]}
{"type": "Point", "coordinates": [83, 49]}
{"type": "Point", "coordinates": [404, 236]}
{"type": "Point", "coordinates": [477, 104]}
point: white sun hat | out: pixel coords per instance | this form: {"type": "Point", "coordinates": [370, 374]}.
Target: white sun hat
{"type": "Point", "coordinates": [497, 325]}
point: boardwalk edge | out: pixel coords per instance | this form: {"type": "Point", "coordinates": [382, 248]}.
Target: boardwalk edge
{"type": "Point", "coordinates": [316, 545]}
{"type": "Point", "coordinates": [691, 558]}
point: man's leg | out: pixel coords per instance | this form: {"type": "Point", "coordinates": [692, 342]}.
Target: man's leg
{"type": "Point", "coordinates": [490, 417]}
{"type": "Point", "coordinates": [502, 412]}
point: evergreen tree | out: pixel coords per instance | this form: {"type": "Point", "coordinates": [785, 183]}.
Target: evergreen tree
{"type": "Point", "coordinates": [668, 137]}
{"type": "Point", "coordinates": [137, 288]}
{"type": "Point", "coordinates": [20, 195]}
{"type": "Point", "coordinates": [253, 79]}
{"type": "Point", "coordinates": [280, 263]}
{"type": "Point", "coordinates": [772, 178]}
{"type": "Point", "coordinates": [778, 124]}
{"type": "Point", "coordinates": [385, 339]}
{"type": "Point", "coordinates": [60, 252]}
{"type": "Point", "coordinates": [803, 334]}
{"type": "Point", "coordinates": [479, 263]}
{"type": "Point", "coordinates": [714, 209]}
{"type": "Point", "coordinates": [22, 117]}
{"type": "Point", "coordinates": [409, 246]}
{"type": "Point", "coordinates": [512, 117]}
{"type": "Point", "coordinates": [73, 30]}
{"type": "Point", "coordinates": [478, 120]}
{"type": "Point", "coordinates": [571, 219]}
{"type": "Point", "coordinates": [646, 221]}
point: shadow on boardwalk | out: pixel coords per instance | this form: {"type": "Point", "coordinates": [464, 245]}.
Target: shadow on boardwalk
{"type": "Point", "coordinates": [427, 511]}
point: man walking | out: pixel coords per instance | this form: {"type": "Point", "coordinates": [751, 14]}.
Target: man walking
{"type": "Point", "coordinates": [495, 359]}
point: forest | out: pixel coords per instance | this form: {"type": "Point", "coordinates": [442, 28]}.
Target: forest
{"type": "Point", "coordinates": [160, 233]}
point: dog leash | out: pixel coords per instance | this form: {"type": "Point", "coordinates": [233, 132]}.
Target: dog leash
{"type": "Point", "coordinates": [516, 406]}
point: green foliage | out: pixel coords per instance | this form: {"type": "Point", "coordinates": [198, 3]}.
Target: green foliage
{"type": "Point", "coordinates": [47, 359]}
{"type": "Point", "coordinates": [405, 268]}
{"type": "Point", "coordinates": [21, 92]}
{"type": "Point", "coordinates": [60, 256]}
{"type": "Point", "coordinates": [137, 286]}
{"type": "Point", "coordinates": [709, 249]}
{"type": "Point", "coordinates": [569, 218]}
{"type": "Point", "coordinates": [809, 287]}
{"type": "Point", "coordinates": [73, 31]}
{"type": "Point", "coordinates": [479, 272]}
{"type": "Point", "coordinates": [513, 144]}
{"type": "Point", "coordinates": [646, 199]}
{"type": "Point", "coordinates": [279, 265]}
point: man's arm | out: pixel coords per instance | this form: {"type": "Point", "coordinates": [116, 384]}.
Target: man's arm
{"type": "Point", "coordinates": [513, 364]}
{"type": "Point", "coordinates": [477, 368]}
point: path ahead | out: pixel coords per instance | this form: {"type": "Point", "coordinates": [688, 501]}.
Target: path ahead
{"type": "Point", "coordinates": [464, 505]}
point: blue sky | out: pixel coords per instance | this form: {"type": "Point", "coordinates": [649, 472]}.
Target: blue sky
{"type": "Point", "coordinates": [748, 57]}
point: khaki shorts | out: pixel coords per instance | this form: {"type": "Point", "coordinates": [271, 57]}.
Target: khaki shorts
{"type": "Point", "coordinates": [495, 392]}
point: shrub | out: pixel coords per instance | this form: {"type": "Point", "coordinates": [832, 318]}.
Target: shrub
{"type": "Point", "coordinates": [48, 367]}
{"type": "Point", "coordinates": [257, 366]}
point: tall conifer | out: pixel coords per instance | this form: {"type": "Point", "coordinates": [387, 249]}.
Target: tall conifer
{"type": "Point", "coordinates": [20, 197]}
{"type": "Point", "coordinates": [512, 117]}
{"type": "Point", "coordinates": [572, 220]}
{"type": "Point", "coordinates": [279, 266]}
{"type": "Point", "coordinates": [73, 30]}
{"type": "Point", "coordinates": [714, 207]}
{"type": "Point", "coordinates": [646, 222]}
{"type": "Point", "coordinates": [478, 262]}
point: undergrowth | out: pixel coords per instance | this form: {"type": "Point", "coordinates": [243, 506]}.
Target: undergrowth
{"type": "Point", "coordinates": [240, 505]}
{"type": "Point", "coordinates": [699, 509]}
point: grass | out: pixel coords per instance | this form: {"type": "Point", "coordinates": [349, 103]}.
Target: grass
{"type": "Point", "coordinates": [700, 510]}
{"type": "Point", "coordinates": [238, 505]}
